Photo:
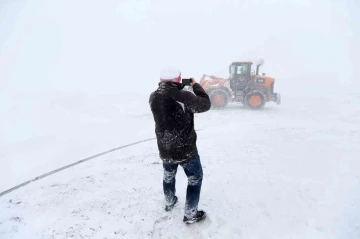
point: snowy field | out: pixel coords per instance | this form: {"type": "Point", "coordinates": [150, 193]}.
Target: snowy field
{"type": "Point", "coordinates": [53, 130]}
{"type": "Point", "coordinates": [289, 171]}
{"type": "Point", "coordinates": [75, 77]}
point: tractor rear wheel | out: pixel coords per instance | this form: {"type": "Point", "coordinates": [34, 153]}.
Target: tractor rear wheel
{"type": "Point", "coordinates": [219, 98]}
{"type": "Point", "coordinates": [254, 100]}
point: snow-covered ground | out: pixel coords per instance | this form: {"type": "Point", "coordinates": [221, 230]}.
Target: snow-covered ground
{"type": "Point", "coordinates": [75, 80]}
{"type": "Point", "coordinates": [289, 171]}
{"type": "Point", "coordinates": [47, 131]}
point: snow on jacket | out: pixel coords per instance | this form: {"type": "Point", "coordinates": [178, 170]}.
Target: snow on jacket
{"type": "Point", "coordinates": [173, 110]}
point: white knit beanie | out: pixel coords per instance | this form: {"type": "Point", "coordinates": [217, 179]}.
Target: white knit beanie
{"type": "Point", "coordinates": [170, 74]}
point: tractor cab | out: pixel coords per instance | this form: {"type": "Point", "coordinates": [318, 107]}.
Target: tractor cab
{"type": "Point", "coordinates": [239, 75]}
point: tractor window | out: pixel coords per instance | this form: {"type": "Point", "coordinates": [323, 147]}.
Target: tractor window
{"type": "Point", "coordinates": [232, 70]}
{"type": "Point", "coordinates": [243, 69]}
{"type": "Point", "coordinates": [239, 70]}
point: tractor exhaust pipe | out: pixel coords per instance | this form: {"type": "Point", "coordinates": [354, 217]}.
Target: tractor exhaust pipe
{"type": "Point", "coordinates": [260, 62]}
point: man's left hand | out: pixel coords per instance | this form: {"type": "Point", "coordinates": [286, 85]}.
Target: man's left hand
{"type": "Point", "coordinates": [192, 81]}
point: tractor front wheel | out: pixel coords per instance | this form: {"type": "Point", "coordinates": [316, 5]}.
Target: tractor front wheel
{"type": "Point", "coordinates": [255, 100]}
{"type": "Point", "coordinates": [219, 99]}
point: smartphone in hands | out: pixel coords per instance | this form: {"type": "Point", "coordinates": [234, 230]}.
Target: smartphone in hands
{"type": "Point", "coordinates": [187, 81]}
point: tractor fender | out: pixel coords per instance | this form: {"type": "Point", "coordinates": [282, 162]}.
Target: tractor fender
{"type": "Point", "coordinates": [260, 89]}
{"type": "Point", "coordinates": [223, 89]}
{"type": "Point", "coordinates": [255, 91]}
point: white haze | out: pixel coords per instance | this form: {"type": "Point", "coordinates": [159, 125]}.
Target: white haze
{"type": "Point", "coordinates": [75, 77]}
{"type": "Point", "coordinates": [115, 46]}
{"type": "Point", "coordinates": [53, 48]}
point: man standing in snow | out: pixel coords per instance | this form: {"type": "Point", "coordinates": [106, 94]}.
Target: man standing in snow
{"type": "Point", "coordinates": [173, 110]}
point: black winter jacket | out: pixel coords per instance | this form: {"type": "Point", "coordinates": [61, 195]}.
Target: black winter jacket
{"type": "Point", "coordinates": [173, 110]}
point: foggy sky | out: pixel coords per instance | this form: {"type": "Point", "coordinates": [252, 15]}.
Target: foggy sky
{"type": "Point", "coordinates": [121, 45]}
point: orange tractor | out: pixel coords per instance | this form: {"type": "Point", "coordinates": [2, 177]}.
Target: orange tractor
{"type": "Point", "coordinates": [244, 85]}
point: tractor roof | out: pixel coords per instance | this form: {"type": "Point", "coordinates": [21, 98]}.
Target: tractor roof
{"type": "Point", "coordinates": [239, 62]}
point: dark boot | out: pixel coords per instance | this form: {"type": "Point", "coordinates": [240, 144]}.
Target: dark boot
{"type": "Point", "coordinates": [200, 215]}
{"type": "Point", "coordinates": [170, 207]}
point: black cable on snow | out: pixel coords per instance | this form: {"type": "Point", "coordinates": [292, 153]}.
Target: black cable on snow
{"type": "Point", "coordinates": [74, 164]}
{"type": "Point", "coordinates": [71, 165]}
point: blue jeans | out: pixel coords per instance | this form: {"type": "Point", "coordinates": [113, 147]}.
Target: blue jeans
{"type": "Point", "coordinates": [194, 173]}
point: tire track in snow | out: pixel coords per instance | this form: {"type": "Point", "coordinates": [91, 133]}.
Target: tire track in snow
{"type": "Point", "coordinates": [74, 164]}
